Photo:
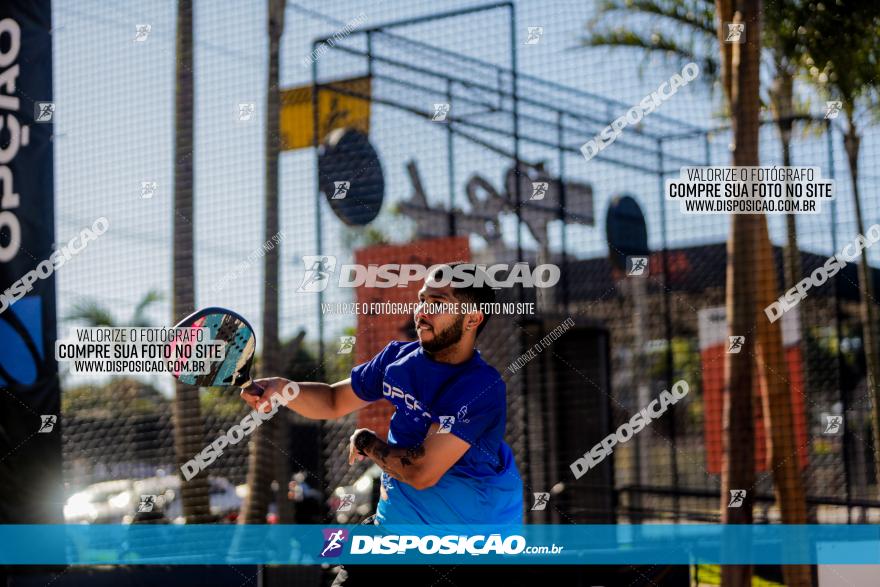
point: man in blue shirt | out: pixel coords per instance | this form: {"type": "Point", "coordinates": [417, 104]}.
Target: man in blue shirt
{"type": "Point", "coordinates": [445, 460]}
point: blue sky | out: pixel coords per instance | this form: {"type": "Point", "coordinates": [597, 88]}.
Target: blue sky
{"type": "Point", "coordinates": [114, 126]}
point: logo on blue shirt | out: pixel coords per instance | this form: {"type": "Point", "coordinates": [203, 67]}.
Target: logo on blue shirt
{"type": "Point", "coordinates": [446, 423]}
{"type": "Point", "coordinates": [409, 399]}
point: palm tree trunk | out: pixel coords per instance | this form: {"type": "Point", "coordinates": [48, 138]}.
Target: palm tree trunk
{"type": "Point", "coordinates": [272, 350]}
{"type": "Point", "coordinates": [867, 308]}
{"type": "Point", "coordinates": [724, 11]}
{"type": "Point", "coordinates": [792, 266]}
{"type": "Point", "coordinates": [769, 355]}
{"type": "Point", "coordinates": [782, 99]}
{"type": "Point", "coordinates": [751, 285]}
{"type": "Point", "coordinates": [738, 472]}
{"type": "Point", "coordinates": [268, 449]}
{"type": "Point", "coordinates": [792, 257]}
{"type": "Point", "coordinates": [189, 435]}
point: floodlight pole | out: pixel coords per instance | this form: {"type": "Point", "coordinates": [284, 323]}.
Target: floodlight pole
{"type": "Point", "coordinates": [667, 327]}
{"type": "Point", "coordinates": [316, 139]}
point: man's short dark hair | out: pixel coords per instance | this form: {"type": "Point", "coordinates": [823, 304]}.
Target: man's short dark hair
{"type": "Point", "coordinates": [474, 294]}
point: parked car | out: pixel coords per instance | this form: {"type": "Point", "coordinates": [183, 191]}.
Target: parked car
{"type": "Point", "coordinates": [100, 503]}
{"type": "Point", "coordinates": [150, 498]}
{"type": "Point", "coordinates": [225, 499]}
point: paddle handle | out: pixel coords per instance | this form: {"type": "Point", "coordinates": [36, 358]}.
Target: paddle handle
{"type": "Point", "coordinates": [252, 388]}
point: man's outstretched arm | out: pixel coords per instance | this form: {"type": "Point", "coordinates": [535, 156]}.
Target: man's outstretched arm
{"type": "Point", "coordinates": [318, 401]}
{"type": "Point", "coordinates": [421, 466]}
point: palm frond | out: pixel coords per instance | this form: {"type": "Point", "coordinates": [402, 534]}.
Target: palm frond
{"type": "Point", "coordinates": [655, 43]}
{"type": "Point", "coordinates": [90, 312]}
{"type": "Point", "coordinates": [697, 17]}
{"type": "Point", "coordinates": [137, 318]}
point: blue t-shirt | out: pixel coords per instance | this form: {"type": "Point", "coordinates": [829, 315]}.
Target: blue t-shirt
{"type": "Point", "coordinates": [484, 486]}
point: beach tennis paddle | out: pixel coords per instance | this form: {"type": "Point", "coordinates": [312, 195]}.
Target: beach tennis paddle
{"type": "Point", "coordinates": [239, 340]}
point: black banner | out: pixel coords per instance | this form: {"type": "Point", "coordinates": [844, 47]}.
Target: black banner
{"type": "Point", "coordinates": [31, 486]}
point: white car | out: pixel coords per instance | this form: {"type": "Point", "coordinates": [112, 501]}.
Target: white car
{"type": "Point", "coordinates": [100, 503]}
{"type": "Point", "coordinates": [225, 501]}
{"type": "Point", "coordinates": [150, 495]}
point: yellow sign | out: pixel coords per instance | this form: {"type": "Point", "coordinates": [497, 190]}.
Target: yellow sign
{"type": "Point", "coordinates": [345, 103]}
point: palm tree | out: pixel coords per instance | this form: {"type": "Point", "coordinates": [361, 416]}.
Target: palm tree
{"type": "Point", "coordinates": [782, 39]}
{"type": "Point", "coordinates": [94, 314]}
{"type": "Point", "coordinates": [740, 84]}
{"type": "Point", "coordinates": [844, 63]}
{"type": "Point", "coordinates": [264, 460]}
{"type": "Point", "coordinates": [751, 282]}
{"type": "Point", "coordinates": [697, 18]}
{"type": "Point", "coordinates": [189, 435]}
{"type": "Point", "coordinates": [751, 285]}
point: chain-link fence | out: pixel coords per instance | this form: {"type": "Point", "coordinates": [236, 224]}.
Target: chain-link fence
{"type": "Point", "coordinates": [448, 104]}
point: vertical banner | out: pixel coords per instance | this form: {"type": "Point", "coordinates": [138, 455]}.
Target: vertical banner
{"type": "Point", "coordinates": [31, 489]}
{"type": "Point", "coordinates": [375, 331]}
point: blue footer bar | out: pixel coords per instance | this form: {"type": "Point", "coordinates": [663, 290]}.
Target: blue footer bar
{"type": "Point", "coordinates": [527, 545]}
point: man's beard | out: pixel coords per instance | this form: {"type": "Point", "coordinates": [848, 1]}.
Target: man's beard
{"type": "Point", "coordinates": [445, 339]}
